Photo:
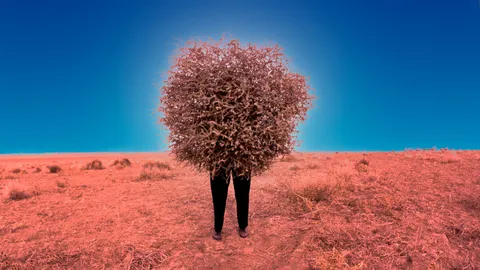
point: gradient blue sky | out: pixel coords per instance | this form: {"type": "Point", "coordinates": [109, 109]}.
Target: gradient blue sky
{"type": "Point", "coordinates": [80, 76]}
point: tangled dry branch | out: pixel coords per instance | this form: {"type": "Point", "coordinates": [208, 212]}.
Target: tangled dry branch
{"type": "Point", "coordinates": [231, 106]}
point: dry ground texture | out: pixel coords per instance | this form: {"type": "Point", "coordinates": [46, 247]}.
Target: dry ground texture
{"type": "Point", "coordinates": [403, 210]}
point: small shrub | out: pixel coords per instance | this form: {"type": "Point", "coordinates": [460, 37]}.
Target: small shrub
{"type": "Point", "coordinates": [36, 191]}
{"type": "Point", "coordinates": [15, 191]}
{"type": "Point", "coordinates": [364, 162]}
{"type": "Point", "coordinates": [94, 165]}
{"type": "Point", "coordinates": [164, 176]}
{"type": "Point", "coordinates": [122, 163]}
{"type": "Point", "coordinates": [313, 166]}
{"type": "Point", "coordinates": [37, 170]}
{"type": "Point", "coordinates": [156, 164]}
{"type": "Point", "coordinates": [152, 175]}
{"type": "Point", "coordinates": [362, 165]}
{"type": "Point", "coordinates": [317, 193]}
{"type": "Point", "coordinates": [309, 192]}
{"type": "Point", "coordinates": [9, 177]}
{"type": "Point", "coordinates": [144, 176]}
{"type": "Point", "coordinates": [450, 157]}
{"type": "Point", "coordinates": [16, 170]}
{"type": "Point", "coordinates": [289, 158]}
{"type": "Point", "coordinates": [61, 184]}
{"type": "Point", "coordinates": [295, 168]}
{"type": "Point", "coordinates": [54, 168]}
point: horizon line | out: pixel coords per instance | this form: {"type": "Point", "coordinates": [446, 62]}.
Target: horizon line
{"type": "Point", "coordinates": [169, 151]}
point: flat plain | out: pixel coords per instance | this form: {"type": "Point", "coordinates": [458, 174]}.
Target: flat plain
{"type": "Point", "coordinates": [413, 209]}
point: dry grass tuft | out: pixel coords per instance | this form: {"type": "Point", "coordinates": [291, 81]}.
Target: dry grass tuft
{"type": "Point", "coordinates": [157, 165]}
{"type": "Point", "coordinates": [144, 176]}
{"type": "Point", "coordinates": [362, 165]}
{"type": "Point", "coordinates": [36, 191]}
{"type": "Point", "coordinates": [120, 164]}
{"type": "Point", "coordinates": [331, 260]}
{"type": "Point", "coordinates": [61, 184]}
{"type": "Point", "coordinates": [364, 162]}
{"type": "Point", "coordinates": [444, 156]}
{"type": "Point", "coordinates": [37, 170]}
{"type": "Point", "coordinates": [135, 259]}
{"type": "Point", "coordinates": [295, 168]}
{"type": "Point", "coordinates": [317, 193]}
{"type": "Point", "coordinates": [153, 176]}
{"type": "Point", "coordinates": [15, 191]}
{"type": "Point", "coordinates": [10, 177]}
{"type": "Point", "coordinates": [322, 188]}
{"type": "Point", "coordinates": [449, 157]}
{"type": "Point", "coordinates": [289, 158]}
{"type": "Point", "coordinates": [94, 165]}
{"type": "Point", "coordinates": [313, 166]}
{"type": "Point", "coordinates": [54, 168]}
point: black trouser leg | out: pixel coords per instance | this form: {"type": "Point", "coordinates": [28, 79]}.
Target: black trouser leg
{"type": "Point", "coordinates": [219, 185]}
{"type": "Point", "coordinates": [241, 185]}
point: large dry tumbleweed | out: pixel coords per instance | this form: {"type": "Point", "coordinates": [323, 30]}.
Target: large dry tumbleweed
{"type": "Point", "coordinates": [232, 106]}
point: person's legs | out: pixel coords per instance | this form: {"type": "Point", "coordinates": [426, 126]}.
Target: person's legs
{"type": "Point", "coordinates": [241, 185]}
{"type": "Point", "coordinates": [219, 186]}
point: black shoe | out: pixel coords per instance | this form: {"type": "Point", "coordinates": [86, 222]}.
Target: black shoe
{"type": "Point", "coordinates": [243, 233]}
{"type": "Point", "coordinates": [217, 235]}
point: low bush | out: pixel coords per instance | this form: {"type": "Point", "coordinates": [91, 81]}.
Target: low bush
{"type": "Point", "coordinates": [61, 184]}
{"type": "Point", "coordinates": [15, 191]}
{"type": "Point", "coordinates": [154, 175]}
{"type": "Point", "coordinates": [54, 168]}
{"type": "Point", "coordinates": [157, 165]}
{"type": "Point", "coordinates": [94, 165]}
{"type": "Point", "coordinates": [120, 164]}
{"type": "Point", "coordinates": [289, 158]}
{"type": "Point", "coordinates": [362, 165]}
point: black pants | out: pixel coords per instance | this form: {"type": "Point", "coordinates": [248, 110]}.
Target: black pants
{"type": "Point", "coordinates": [219, 184]}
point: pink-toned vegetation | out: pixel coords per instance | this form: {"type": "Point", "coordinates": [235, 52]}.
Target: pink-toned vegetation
{"type": "Point", "coordinates": [120, 164]}
{"type": "Point", "coordinates": [156, 165]}
{"type": "Point", "coordinates": [54, 168]}
{"type": "Point", "coordinates": [16, 170]}
{"type": "Point", "coordinates": [228, 105]}
{"type": "Point", "coordinates": [94, 165]}
{"type": "Point", "coordinates": [154, 171]}
{"type": "Point", "coordinates": [15, 191]}
{"type": "Point", "coordinates": [411, 209]}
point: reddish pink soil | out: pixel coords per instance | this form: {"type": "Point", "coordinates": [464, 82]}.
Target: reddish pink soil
{"type": "Point", "coordinates": [406, 210]}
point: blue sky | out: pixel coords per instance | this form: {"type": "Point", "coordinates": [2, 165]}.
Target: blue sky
{"type": "Point", "coordinates": [83, 76]}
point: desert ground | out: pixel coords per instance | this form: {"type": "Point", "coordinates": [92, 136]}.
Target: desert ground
{"type": "Point", "coordinates": [414, 209]}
